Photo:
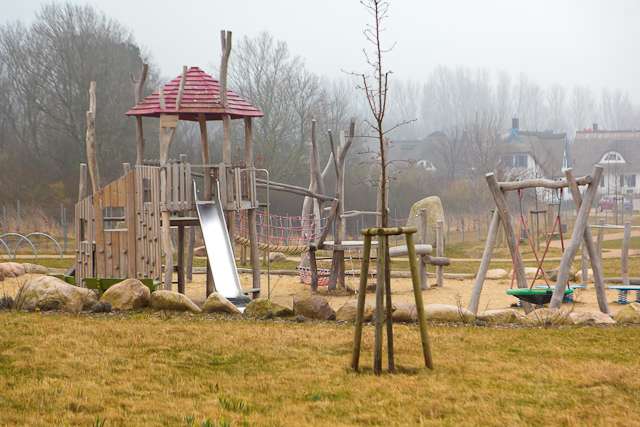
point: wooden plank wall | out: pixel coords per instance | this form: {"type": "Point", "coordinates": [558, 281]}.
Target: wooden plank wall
{"type": "Point", "coordinates": [179, 197]}
{"type": "Point", "coordinates": [84, 249]}
{"type": "Point", "coordinates": [147, 222]}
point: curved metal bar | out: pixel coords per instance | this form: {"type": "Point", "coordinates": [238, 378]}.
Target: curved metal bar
{"type": "Point", "coordinates": [6, 247]}
{"type": "Point", "coordinates": [55, 242]}
{"type": "Point", "coordinates": [21, 237]}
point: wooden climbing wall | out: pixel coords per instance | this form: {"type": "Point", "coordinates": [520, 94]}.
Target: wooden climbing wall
{"type": "Point", "coordinates": [147, 206]}
{"type": "Point", "coordinates": [85, 233]}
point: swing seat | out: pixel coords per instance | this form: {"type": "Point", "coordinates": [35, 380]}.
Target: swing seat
{"type": "Point", "coordinates": [535, 296]}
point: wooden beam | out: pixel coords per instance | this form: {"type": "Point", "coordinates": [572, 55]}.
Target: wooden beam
{"type": "Point", "coordinates": [301, 191]}
{"type": "Point", "coordinates": [590, 247]}
{"type": "Point", "coordinates": [83, 189]}
{"type": "Point", "coordinates": [507, 225]}
{"type": "Point", "coordinates": [183, 79]}
{"type": "Point", "coordinates": [168, 125]}
{"type": "Point", "coordinates": [489, 245]}
{"type": "Point", "coordinates": [440, 252]}
{"type": "Point", "coordinates": [544, 183]}
{"type": "Point", "coordinates": [91, 140]}
{"type": "Point", "coordinates": [576, 237]}
{"type": "Point", "coordinates": [254, 254]}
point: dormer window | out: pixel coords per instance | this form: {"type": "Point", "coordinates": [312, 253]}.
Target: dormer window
{"type": "Point", "coordinates": [612, 157]}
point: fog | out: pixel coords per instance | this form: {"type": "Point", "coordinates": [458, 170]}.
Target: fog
{"type": "Point", "coordinates": [588, 42]}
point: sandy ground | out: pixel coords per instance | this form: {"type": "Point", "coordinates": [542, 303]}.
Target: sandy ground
{"type": "Point", "coordinates": [284, 288]}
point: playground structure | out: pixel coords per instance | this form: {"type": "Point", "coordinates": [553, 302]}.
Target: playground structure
{"type": "Point", "coordinates": [581, 235]}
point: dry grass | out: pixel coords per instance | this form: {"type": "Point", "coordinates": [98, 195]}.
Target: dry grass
{"type": "Point", "coordinates": [146, 369]}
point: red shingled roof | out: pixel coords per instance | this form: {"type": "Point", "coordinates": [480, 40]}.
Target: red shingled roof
{"type": "Point", "coordinates": [201, 95]}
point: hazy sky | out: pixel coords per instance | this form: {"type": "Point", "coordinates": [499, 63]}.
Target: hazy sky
{"type": "Point", "coordinates": [587, 42]}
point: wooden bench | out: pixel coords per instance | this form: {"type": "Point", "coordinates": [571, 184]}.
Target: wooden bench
{"type": "Point", "coordinates": [424, 253]}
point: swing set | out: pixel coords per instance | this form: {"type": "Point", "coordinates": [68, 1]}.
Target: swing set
{"type": "Point", "coordinates": [538, 295]}
{"type": "Point", "coordinates": [542, 294]}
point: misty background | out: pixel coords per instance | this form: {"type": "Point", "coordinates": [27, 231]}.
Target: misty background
{"type": "Point", "coordinates": [462, 69]}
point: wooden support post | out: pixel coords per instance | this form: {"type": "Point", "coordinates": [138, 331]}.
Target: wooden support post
{"type": "Point", "coordinates": [210, 286]}
{"type": "Point", "coordinates": [190, 248]}
{"type": "Point", "coordinates": [624, 264]}
{"type": "Point", "coordinates": [379, 313]}
{"type": "Point", "coordinates": [91, 140]}
{"type": "Point", "coordinates": [492, 235]}
{"type": "Point", "coordinates": [362, 292]}
{"type": "Point", "coordinates": [167, 131]}
{"type": "Point", "coordinates": [83, 189]}
{"type": "Point", "coordinates": [389, 308]}
{"type": "Point", "coordinates": [507, 226]}
{"type": "Point", "coordinates": [596, 262]}
{"type": "Point", "coordinates": [423, 262]}
{"type": "Point", "coordinates": [584, 263]}
{"type": "Point", "coordinates": [138, 86]}
{"type": "Point", "coordinates": [181, 287]}
{"type": "Point", "coordinates": [577, 236]}
{"type": "Point", "coordinates": [313, 266]}
{"type": "Point", "coordinates": [126, 168]}
{"type": "Point", "coordinates": [422, 321]}
{"type": "Point", "coordinates": [252, 219]}
{"type": "Point", "coordinates": [439, 252]}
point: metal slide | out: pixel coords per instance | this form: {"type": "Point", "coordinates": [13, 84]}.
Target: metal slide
{"type": "Point", "coordinates": [219, 249]}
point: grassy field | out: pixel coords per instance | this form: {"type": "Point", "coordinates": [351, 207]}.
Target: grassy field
{"type": "Point", "coordinates": [146, 369]}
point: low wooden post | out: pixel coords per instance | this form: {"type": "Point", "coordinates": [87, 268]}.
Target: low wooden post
{"type": "Point", "coordinates": [596, 262]}
{"type": "Point", "coordinates": [584, 267]}
{"type": "Point", "coordinates": [492, 234]}
{"type": "Point", "coordinates": [423, 262]}
{"type": "Point", "coordinates": [190, 248]}
{"type": "Point", "coordinates": [601, 223]}
{"type": "Point", "coordinates": [576, 238]}
{"type": "Point", "coordinates": [313, 266]}
{"type": "Point", "coordinates": [391, 364]}
{"type": "Point", "coordinates": [624, 264]}
{"type": "Point", "coordinates": [422, 322]}
{"type": "Point", "coordinates": [181, 287]}
{"type": "Point", "coordinates": [439, 252]}
{"type": "Point", "coordinates": [362, 293]}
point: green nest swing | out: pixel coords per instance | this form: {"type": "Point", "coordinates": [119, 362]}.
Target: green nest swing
{"type": "Point", "coordinates": [535, 296]}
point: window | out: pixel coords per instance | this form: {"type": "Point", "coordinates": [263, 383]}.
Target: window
{"type": "Point", "coordinates": [520, 160]}
{"type": "Point", "coordinates": [427, 165]}
{"type": "Point", "coordinates": [113, 218]}
{"type": "Point", "coordinates": [627, 181]}
{"type": "Point", "coordinates": [612, 157]}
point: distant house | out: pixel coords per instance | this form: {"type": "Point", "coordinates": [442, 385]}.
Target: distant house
{"type": "Point", "coordinates": [618, 151]}
{"type": "Point", "coordinates": [532, 154]}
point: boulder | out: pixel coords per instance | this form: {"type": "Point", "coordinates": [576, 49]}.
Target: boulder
{"type": "Point", "coordinates": [506, 315]}
{"type": "Point", "coordinates": [6, 303]}
{"type": "Point", "coordinates": [404, 313]}
{"type": "Point", "coordinates": [50, 293]}
{"type": "Point", "coordinates": [12, 269]}
{"type": "Point", "coordinates": [448, 313]}
{"type": "Point", "coordinates": [347, 312]}
{"type": "Point", "coordinates": [553, 275]}
{"type": "Point", "coordinates": [629, 314]}
{"type": "Point", "coordinates": [101, 307]}
{"type": "Point", "coordinates": [548, 317]}
{"type": "Point", "coordinates": [174, 301]}
{"type": "Point", "coordinates": [591, 318]}
{"type": "Point", "coordinates": [497, 274]}
{"type": "Point", "coordinates": [35, 268]}
{"type": "Point", "coordinates": [130, 294]}
{"type": "Point", "coordinates": [313, 307]}
{"type": "Point", "coordinates": [216, 303]}
{"type": "Point", "coordinates": [263, 308]}
{"type": "Point", "coordinates": [277, 257]}
{"type": "Point", "coordinates": [589, 278]}
{"type": "Point", "coordinates": [435, 212]}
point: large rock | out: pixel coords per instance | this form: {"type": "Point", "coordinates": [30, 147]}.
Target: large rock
{"type": "Point", "coordinates": [12, 269]}
{"type": "Point", "coordinates": [548, 317]}
{"type": "Point", "coordinates": [629, 314]}
{"type": "Point", "coordinates": [313, 307]}
{"type": "Point", "coordinates": [50, 293]}
{"type": "Point", "coordinates": [448, 313]}
{"type": "Point", "coordinates": [435, 212]}
{"type": "Point", "coordinates": [277, 257]}
{"type": "Point", "coordinates": [497, 274]}
{"type": "Point", "coordinates": [347, 312]}
{"type": "Point", "coordinates": [35, 268]}
{"type": "Point", "coordinates": [506, 315]}
{"type": "Point", "coordinates": [263, 308]}
{"type": "Point", "coordinates": [174, 301]}
{"type": "Point", "coordinates": [591, 318]}
{"type": "Point", "coordinates": [589, 278]}
{"type": "Point", "coordinates": [130, 294]}
{"type": "Point", "coordinates": [216, 303]}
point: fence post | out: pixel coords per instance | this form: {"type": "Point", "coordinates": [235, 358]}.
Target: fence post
{"type": "Point", "coordinates": [423, 265]}
{"type": "Point", "coordinates": [439, 252]}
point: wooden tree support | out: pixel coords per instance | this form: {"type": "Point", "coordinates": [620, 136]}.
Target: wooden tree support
{"type": "Point", "coordinates": [383, 291]}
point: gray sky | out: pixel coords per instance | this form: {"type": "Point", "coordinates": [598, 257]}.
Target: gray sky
{"type": "Point", "coordinates": [587, 42]}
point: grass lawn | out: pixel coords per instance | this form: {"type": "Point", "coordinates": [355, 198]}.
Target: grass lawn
{"type": "Point", "coordinates": [155, 369]}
